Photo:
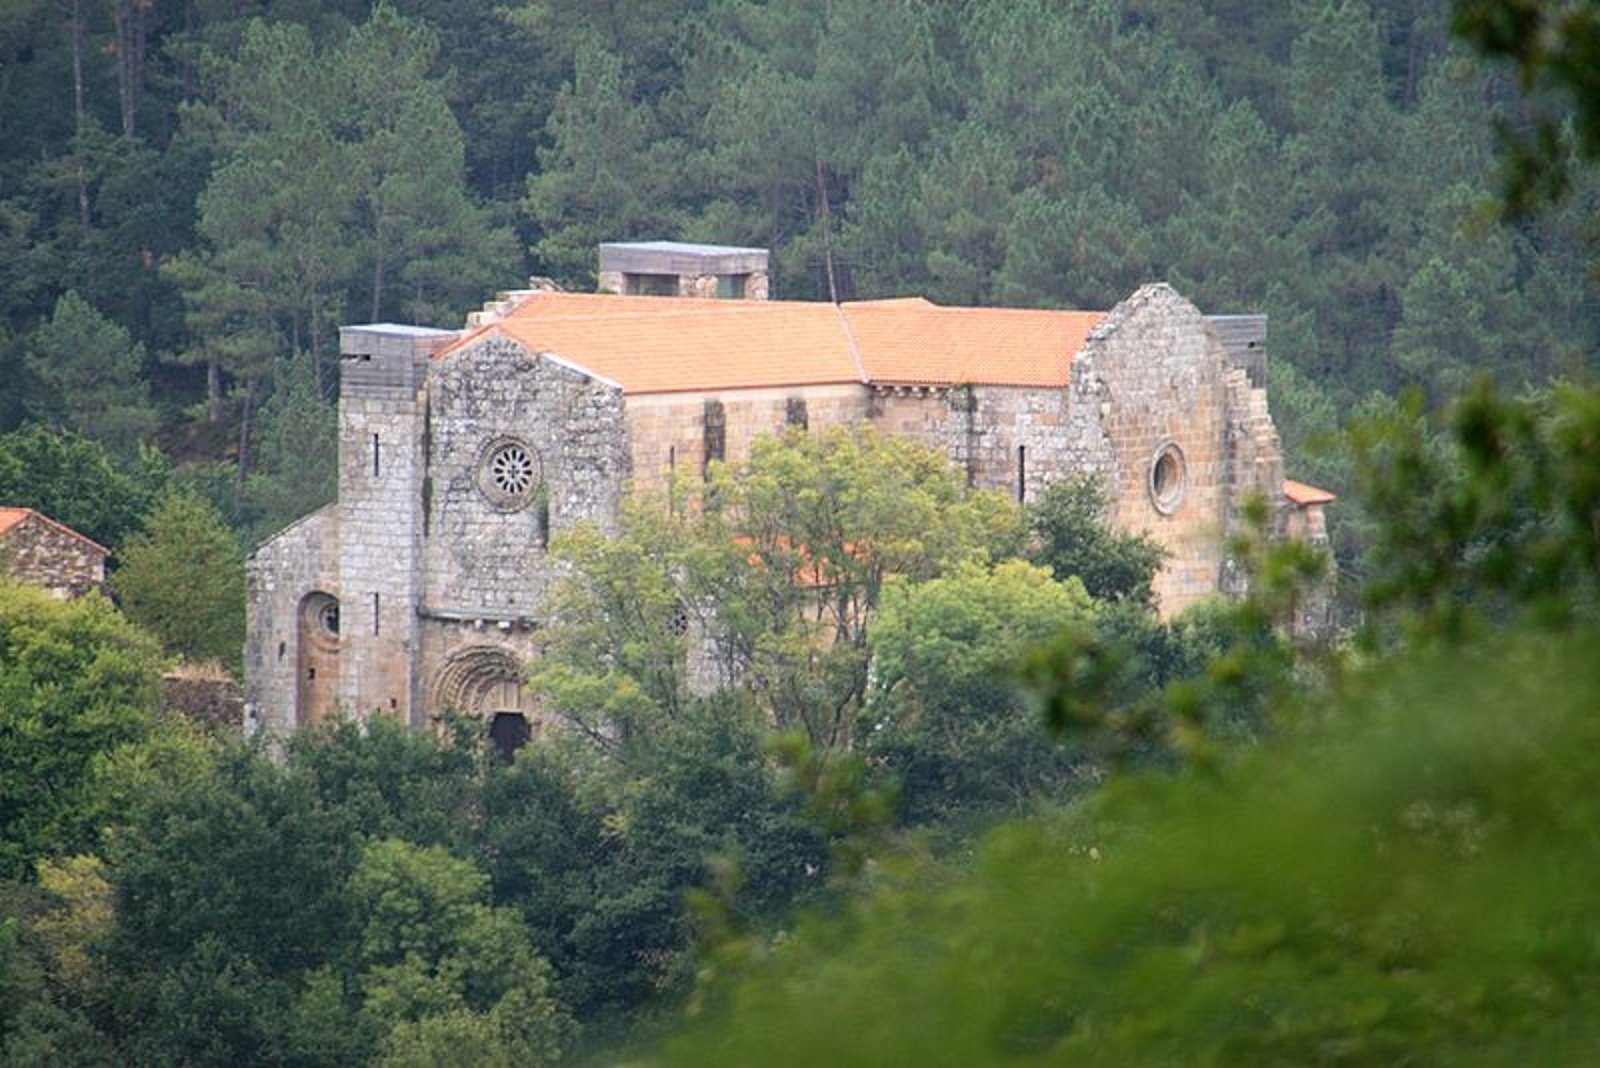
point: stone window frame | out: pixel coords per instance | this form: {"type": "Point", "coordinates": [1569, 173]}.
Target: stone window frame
{"type": "Point", "coordinates": [320, 612]}
{"type": "Point", "coordinates": [1168, 478]}
{"type": "Point", "coordinates": [496, 462]}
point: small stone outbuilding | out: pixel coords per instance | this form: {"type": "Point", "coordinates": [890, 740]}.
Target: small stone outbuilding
{"type": "Point", "coordinates": [462, 453]}
{"type": "Point", "coordinates": [39, 551]}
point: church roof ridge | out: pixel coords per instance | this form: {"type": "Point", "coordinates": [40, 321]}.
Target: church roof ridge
{"type": "Point", "coordinates": [672, 345]}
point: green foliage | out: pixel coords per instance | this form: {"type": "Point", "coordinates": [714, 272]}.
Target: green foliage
{"type": "Point", "coordinates": [296, 469]}
{"type": "Point", "coordinates": [616, 653]}
{"type": "Point", "coordinates": [381, 779]}
{"type": "Point", "coordinates": [339, 188]}
{"type": "Point", "coordinates": [91, 369]}
{"type": "Point", "coordinates": [777, 573]}
{"type": "Point", "coordinates": [437, 961]}
{"type": "Point", "coordinates": [823, 521]}
{"type": "Point", "coordinates": [1074, 540]}
{"type": "Point", "coordinates": [182, 578]}
{"type": "Point", "coordinates": [75, 481]}
{"type": "Point", "coordinates": [607, 174]}
{"type": "Point", "coordinates": [76, 681]}
{"type": "Point", "coordinates": [599, 856]}
{"type": "Point", "coordinates": [1555, 47]}
{"type": "Point", "coordinates": [1406, 880]}
{"type": "Point", "coordinates": [1492, 516]}
{"type": "Point", "coordinates": [230, 888]}
{"type": "Point", "coordinates": [946, 715]}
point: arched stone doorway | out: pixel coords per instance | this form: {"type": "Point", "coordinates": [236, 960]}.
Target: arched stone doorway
{"type": "Point", "coordinates": [316, 692]}
{"type": "Point", "coordinates": [485, 681]}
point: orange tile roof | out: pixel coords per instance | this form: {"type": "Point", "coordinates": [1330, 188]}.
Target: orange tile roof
{"type": "Point", "coordinates": [11, 517]}
{"type": "Point", "coordinates": [665, 345]}
{"type": "Point", "coordinates": [1302, 494]}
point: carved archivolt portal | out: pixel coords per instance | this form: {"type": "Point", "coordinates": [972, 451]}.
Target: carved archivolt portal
{"type": "Point", "coordinates": [478, 680]}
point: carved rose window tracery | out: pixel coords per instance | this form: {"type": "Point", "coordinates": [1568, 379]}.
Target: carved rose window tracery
{"type": "Point", "coordinates": [509, 474]}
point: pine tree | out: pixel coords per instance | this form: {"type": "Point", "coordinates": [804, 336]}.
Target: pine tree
{"type": "Point", "coordinates": [91, 371]}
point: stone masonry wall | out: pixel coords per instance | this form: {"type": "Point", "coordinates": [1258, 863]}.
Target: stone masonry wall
{"type": "Point", "coordinates": [301, 560]}
{"type": "Point", "coordinates": [667, 432]}
{"type": "Point", "coordinates": [211, 703]}
{"type": "Point", "coordinates": [488, 553]}
{"type": "Point", "coordinates": [1012, 439]}
{"type": "Point", "coordinates": [42, 553]}
{"type": "Point", "coordinates": [380, 459]}
{"type": "Point", "coordinates": [757, 285]}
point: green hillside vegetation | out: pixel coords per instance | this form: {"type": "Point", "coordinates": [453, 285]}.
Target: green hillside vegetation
{"type": "Point", "coordinates": [1403, 877]}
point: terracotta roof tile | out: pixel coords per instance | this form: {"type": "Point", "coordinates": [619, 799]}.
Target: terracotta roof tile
{"type": "Point", "coordinates": [665, 345]}
{"type": "Point", "coordinates": [1302, 494]}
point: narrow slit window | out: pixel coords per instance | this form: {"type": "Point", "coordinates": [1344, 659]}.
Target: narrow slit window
{"type": "Point", "coordinates": [716, 436]}
{"type": "Point", "coordinates": [375, 604]}
{"type": "Point", "coordinates": [1022, 473]}
{"type": "Point", "coordinates": [375, 462]}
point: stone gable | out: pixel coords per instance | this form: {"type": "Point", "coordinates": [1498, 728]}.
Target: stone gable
{"type": "Point", "coordinates": [39, 551]}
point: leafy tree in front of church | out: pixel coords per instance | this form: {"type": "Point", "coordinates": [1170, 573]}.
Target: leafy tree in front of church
{"type": "Point", "coordinates": [1381, 873]}
{"type": "Point", "coordinates": [442, 974]}
{"type": "Point", "coordinates": [182, 578]}
{"type": "Point", "coordinates": [946, 714]}
{"type": "Point", "coordinates": [1073, 540]}
{"type": "Point", "coordinates": [774, 578]}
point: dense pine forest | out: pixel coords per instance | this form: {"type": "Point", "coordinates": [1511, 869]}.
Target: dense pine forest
{"type": "Point", "coordinates": [1013, 814]}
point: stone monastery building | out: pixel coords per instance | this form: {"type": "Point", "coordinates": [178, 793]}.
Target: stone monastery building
{"type": "Point", "coordinates": [461, 453]}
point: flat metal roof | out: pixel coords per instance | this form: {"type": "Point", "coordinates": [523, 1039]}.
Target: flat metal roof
{"type": "Point", "coordinates": [683, 248]}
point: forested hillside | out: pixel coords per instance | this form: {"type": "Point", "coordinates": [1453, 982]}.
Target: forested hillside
{"type": "Point", "coordinates": [192, 199]}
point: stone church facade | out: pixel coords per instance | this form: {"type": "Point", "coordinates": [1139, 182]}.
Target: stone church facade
{"type": "Point", "coordinates": [462, 453]}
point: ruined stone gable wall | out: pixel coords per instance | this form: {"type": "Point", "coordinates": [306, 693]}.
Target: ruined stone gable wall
{"type": "Point", "coordinates": [301, 560]}
{"type": "Point", "coordinates": [485, 553]}
{"type": "Point", "coordinates": [667, 431]}
{"type": "Point", "coordinates": [1153, 376]}
{"type": "Point", "coordinates": [1253, 458]}
{"type": "Point", "coordinates": [40, 553]}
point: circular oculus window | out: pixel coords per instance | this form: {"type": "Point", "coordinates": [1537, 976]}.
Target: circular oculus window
{"type": "Point", "coordinates": [508, 474]}
{"type": "Point", "coordinates": [319, 619]}
{"type": "Point", "coordinates": [1168, 477]}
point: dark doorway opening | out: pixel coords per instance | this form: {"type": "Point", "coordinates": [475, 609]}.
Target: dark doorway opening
{"type": "Point", "coordinates": [509, 731]}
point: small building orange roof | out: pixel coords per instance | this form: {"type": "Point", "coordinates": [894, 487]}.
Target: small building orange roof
{"type": "Point", "coordinates": [1302, 494]}
{"type": "Point", "coordinates": [11, 517]}
{"type": "Point", "coordinates": [666, 345]}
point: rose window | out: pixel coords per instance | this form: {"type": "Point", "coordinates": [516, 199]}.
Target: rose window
{"type": "Point", "coordinates": [511, 470]}
{"type": "Point", "coordinates": [509, 474]}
